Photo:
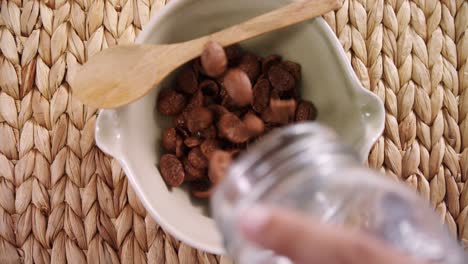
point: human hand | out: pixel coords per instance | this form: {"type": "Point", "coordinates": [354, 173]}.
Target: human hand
{"type": "Point", "coordinates": [304, 240]}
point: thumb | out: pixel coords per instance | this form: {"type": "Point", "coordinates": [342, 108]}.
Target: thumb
{"type": "Point", "coordinates": [304, 240]}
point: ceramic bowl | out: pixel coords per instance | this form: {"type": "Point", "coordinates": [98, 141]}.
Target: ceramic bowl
{"type": "Point", "coordinates": [132, 134]}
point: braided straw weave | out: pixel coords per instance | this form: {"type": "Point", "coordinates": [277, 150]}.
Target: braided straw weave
{"type": "Point", "coordinates": [61, 199]}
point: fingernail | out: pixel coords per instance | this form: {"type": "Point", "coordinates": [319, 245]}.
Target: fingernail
{"type": "Point", "coordinates": [254, 220]}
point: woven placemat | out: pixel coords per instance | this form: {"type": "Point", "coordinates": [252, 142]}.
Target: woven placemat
{"type": "Point", "coordinates": [61, 199]}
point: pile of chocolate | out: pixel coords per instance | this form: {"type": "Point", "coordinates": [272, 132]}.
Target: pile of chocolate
{"type": "Point", "coordinates": [221, 103]}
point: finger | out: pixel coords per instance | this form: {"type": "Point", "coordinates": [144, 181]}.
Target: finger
{"type": "Point", "coordinates": [304, 240]}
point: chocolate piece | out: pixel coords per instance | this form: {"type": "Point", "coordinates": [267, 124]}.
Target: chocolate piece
{"type": "Point", "coordinates": [180, 147]}
{"type": "Point", "coordinates": [172, 170]}
{"type": "Point", "coordinates": [209, 88]}
{"type": "Point", "coordinates": [192, 142]}
{"type": "Point", "coordinates": [280, 111]}
{"type": "Point", "coordinates": [199, 119]}
{"type": "Point", "coordinates": [306, 111]}
{"type": "Point", "coordinates": [254, 124]}
{"type": "Point", "coordinates": [169, 139]}
{"type": "Point", "coordinates": [293, 68]}
{"type": "Point", "coordinates": [219, 163]}
{"type": "Point", "coordinates": [191, 172]}
{"type": "Point", "coordinates": [187, 80]}
{"type": "Point", "coordinates": [213, 59]}
{"type": "Point", "coordinates": [261, 95]}
{"type": "Point", "coordinates": [209, 132]}
{"type": "Point", "coordinates": [270, 61]}
{"type": "Point", "coordinates": [202, 189]}
{"type": "Point", "coordinates": [233, 129]}
{"type": "Point", "coordinates": [209, 146]}
{"type": "Point", "coordinates": [197, 159]}
{"type": "Point", "coordinates": [238, 86]}
{"type": "Point", "coordinates": [195, 101]}
{"type": "Point", "coordinates": [233, 53]}
{"type": "Point", "coordinates": [250, 64]}
{"type": "Point", "coordinates": [171, 102]}
{"type": "Point", "coordinates": [281, 79]}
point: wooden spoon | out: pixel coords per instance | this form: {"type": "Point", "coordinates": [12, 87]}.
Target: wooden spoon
{"type": "Point", "coordinates": [120, 75]}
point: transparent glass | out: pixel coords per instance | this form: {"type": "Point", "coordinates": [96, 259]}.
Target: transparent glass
{"type": "Point", "coordinates": [305, 167]}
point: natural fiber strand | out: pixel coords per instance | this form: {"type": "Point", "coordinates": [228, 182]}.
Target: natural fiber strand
{"type": "Point", "coordinates": [63, 200]}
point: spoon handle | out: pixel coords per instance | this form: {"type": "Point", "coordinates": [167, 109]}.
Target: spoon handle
{"type": "Point", "coordinates": [298, 11]}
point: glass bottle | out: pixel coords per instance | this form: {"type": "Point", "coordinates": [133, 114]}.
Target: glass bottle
{"type": "Point", "coordinates": [306, 167]}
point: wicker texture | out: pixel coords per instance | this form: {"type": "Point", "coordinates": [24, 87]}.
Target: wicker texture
{"type": "Point", "coordinates": [62, 200]}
